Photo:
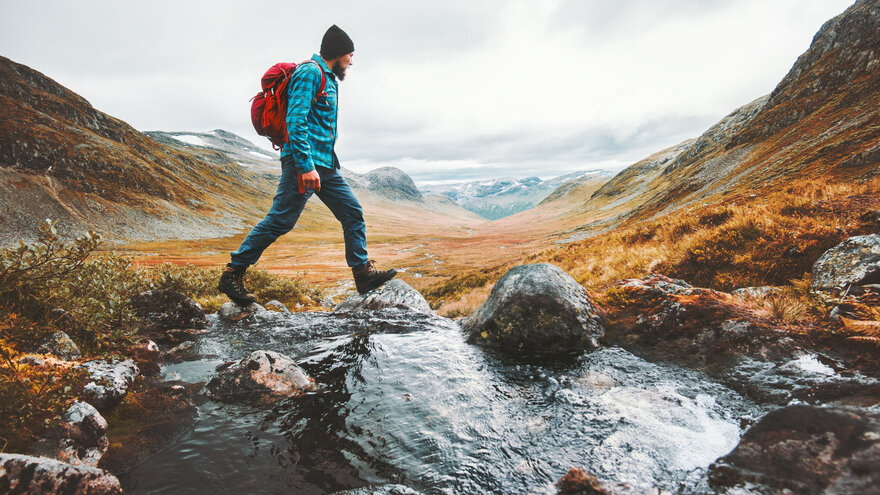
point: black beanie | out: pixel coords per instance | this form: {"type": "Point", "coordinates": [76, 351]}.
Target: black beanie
{"type": "Point", "coordinates": [335, 43]}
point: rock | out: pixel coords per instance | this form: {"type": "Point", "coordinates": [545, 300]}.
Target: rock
{"type": "Point", "coordinates": [657, 318]}
{"type": "Point", "coordinates": [61, 345]}
{"type": "Point", "coordinates": [81, 439]}
{"type": "Point", "coordinates": [856, 261]}
{"type": "Point", "coordinates": [32, 360]}
{"type": "Point", "coordinates": [27, 474]}
{"type": "Point", "coordinates": [756, 292]}
{"type": "Point", "coordinates": [266, 375]}
{"type": "Point", "coordinates": [109, 381]}
{"type": "Point", "coordinates": [536, 308]}
{"type": "Point", "coordinates": [147, 357]}
{"type": "Point", "coordinates": [187, 351]}
{"type": "Point", "coordinates": [233, 312]}
{"type": "Point", "coordinates": [380, 490]}
{"type": "Point", "coordinates": [278, 306]}
{"type": "Point", "coordinates": [393, 294]}
{"type": "Point", "coordinates": [327, 302]}
{"type": "Point", "coordinates": [806, 449]}
{"type": "Point", "coordinates": [164, 310]}
{"type": "Point", "coordinates": [577, 481]}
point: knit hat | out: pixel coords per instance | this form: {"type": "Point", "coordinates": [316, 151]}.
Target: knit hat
{"type": "Point", "coordinates": [336, 43]}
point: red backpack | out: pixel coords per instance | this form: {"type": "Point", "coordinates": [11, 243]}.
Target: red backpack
{"type": "Point", "coordinates": [269, 106]}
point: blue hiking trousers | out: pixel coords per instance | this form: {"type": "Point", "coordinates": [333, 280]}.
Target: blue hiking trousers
{"type": "Point", "coordinates": [288, 205]}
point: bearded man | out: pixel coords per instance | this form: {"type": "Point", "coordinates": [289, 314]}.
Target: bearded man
{"type": "Point", "coordinates": [309, 158]}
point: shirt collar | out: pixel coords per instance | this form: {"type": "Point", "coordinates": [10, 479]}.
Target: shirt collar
{"type": "Point", "coordinates": [317, 58]}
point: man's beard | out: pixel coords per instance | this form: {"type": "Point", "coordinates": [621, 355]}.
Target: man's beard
{"type": "Point", "coordinates": [338, 70]}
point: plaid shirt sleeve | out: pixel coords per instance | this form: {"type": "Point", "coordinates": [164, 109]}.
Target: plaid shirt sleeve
{"type": "Point", "coordinates": [304, 84]}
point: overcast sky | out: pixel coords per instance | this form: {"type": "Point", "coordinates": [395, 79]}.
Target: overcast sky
{"type": "Point", "coordinates": [443, 89]}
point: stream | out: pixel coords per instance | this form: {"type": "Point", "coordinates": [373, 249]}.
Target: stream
{"type": "Point", "coordinates": [404, 399]}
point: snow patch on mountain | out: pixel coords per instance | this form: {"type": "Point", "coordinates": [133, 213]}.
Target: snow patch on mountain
{"type": "Point", "coordinates": [498, 198]}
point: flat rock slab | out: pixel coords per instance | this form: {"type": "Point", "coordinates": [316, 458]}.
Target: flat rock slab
{"type": "Point", "coordinates": [392, 294]}
{"type": "Point", "coordinates": [265, 376]}
{"type": "Point", "coordinates": [806, 449]}
{"type": "Point", "coordinates": [26, 474]}
{"type": "Point", "coordinates": [537, 308]}
{"type": "Point", "coordinates": [109, 381]}
{"type": "Point", "coordinates": [855, 261]}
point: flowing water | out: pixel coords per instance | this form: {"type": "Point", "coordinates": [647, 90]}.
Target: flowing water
{"type": "Point", "coordinates": [404, 399]}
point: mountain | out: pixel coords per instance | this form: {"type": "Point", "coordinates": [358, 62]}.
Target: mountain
{"type": "Point", "coordinates": [499, 198]}
{"type": "Point", "coordinates": [60, 158]}
{"type": "Point", "coordinates": [821, 122]}
{"type": "Point", "coordinates": [239, 149]}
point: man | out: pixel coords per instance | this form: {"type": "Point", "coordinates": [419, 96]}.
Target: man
{"type": "Point", "coordinates": [311, 125]}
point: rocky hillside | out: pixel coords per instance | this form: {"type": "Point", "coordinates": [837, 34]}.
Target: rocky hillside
{"type": "Point", "coordinates": [498, 198]}
{"type": "Point", "coordinates": [61, 158]}
{"type": "Point", "coordinates": [239, 149]}
{"type": "Point", "coordinates": [821, 121]}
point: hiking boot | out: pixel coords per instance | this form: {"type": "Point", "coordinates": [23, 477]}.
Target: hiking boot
{"type": "Point", "coordinates": [368, 278]}
{"type": "Point", "coordinates": [232, 284]}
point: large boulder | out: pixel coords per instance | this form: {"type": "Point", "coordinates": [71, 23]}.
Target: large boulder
{"type": "Point", "coordinates": [26, 474]}
{"type": "Point", "coordinates": [264, 375]}
{"type": "Point", "coordinates": [536, 308]}
{"type": "Point", "coordinates": [856, 261]}
{"type": "Point", "coordinates": [161, 310]}
{"type": "Point", "coordinates": [109, 381]}
{"type": "Point", "coordinates": [393, 294]}
{"type": "Point", "coordinates": [81, 439]}
{"type": "Point", "coordinates": [806, 449]}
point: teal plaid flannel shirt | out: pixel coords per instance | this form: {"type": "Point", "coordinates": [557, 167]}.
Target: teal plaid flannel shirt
{"type": "Point", "coordinates": [311, 126]}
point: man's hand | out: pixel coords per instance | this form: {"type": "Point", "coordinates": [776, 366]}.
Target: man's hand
{"type": "Point", "coordinates": [312, 180]}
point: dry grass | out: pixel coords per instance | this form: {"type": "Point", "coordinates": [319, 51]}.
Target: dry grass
{"type": "Point", "coordinates": [758, 241]}
{"type": "Point", "coordinates": [466, 304]}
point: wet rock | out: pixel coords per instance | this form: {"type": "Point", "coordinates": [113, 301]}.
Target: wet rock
{"type": "Point", "coordinates": [659, 319]}
{"type": "Point", "coordinates": [380, 490]}
{"type": "Point", "coordinates": [393, 294]}
{"type": "Point", "coordinates": [855, 261]}
{"type": "Point", "coordinates": [806, 449]}
{"type": "Point", "coordinates": [61, 345]}
{"type": "Point", "coordinates": [164, 310]}
{"type": "Point", "coordinates": [536, 308]}
{"type": "Point", "coordinates": [278, 306]}
{"type": "Point", "coordinates": [147, 357]}
{"type": "Point", "coordinates": [233, 312]}
{"type": "Point", "coordinates": [579, 482]}
{"type": "Point", "coordinates": [187, 351]}
{"type": "Point", "coordinates": [26, 474]}
{"type": "Point", "coordinates": [266, 375]}
{"type": "Point", "coordinates": [81, 439]}
{"type": "Point", "coordinates": [108, 382]}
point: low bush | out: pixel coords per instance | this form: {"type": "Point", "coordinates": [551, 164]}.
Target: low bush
{"type": "Point", "coordinates": [54, 285]}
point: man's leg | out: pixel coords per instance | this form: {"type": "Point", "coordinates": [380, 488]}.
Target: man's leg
{"type": "Point", "coordinates": [286, 209]}
{"type": "Point", "coordinates": [337, 195]}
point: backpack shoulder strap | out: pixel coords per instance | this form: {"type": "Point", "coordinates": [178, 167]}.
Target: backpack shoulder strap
{"type": "Point", "coordinates": [322, 90]}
